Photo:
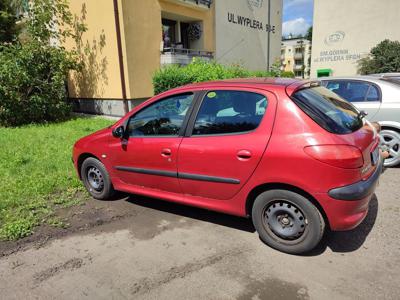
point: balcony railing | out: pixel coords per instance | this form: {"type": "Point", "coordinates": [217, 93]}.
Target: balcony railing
{"type": "Point", "coordinates": [298, 55]}
{"type": "Point", "coordinates": [182, 56]}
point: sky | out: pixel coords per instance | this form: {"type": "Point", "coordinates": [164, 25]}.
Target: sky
{"type": "Point", "coordinates": [297, 16]}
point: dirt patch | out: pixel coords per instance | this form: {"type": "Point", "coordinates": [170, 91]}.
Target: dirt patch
{"type": "Point", "coordinates": [72, 264]}
{"type": "Point", "coordinates": [91, 213]}
{"type": "Point", "coordinates": [274, 289]}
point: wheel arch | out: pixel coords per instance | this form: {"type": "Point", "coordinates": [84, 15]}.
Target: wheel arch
{"type": "Point", "coordinates": [390, 125]}
{"type": "Point", "coordinates": [81, 159]}
{"type": "Point", "coordinates": [282, 186]}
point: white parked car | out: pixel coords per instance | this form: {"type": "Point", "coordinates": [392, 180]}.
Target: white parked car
{"type": "Point", "coordinates": [379, 96]}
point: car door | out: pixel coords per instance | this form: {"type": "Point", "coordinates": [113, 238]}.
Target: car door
{"type": "Point", "coordinates": [364, 95]}
{"type": "Point", "coordinates": [147, 157]}
{"type": "Point", "coordinates": [225, 140]}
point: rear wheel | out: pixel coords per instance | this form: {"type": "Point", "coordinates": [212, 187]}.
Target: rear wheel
{"type": "Point", "coordinates": [287, 221]}
{"type": "Point", "coordinates": [96, 179]}
{"type": "Point", "coordinates": [390, 141]}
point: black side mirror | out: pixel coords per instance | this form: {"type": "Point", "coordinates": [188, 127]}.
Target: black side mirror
{"type": "Point", "coordinates": [119, 132]}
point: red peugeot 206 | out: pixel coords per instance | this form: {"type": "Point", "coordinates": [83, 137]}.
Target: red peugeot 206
{"type": "Point", "coordinates": [291, 155]}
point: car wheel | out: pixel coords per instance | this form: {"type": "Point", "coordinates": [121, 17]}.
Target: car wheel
{"type": "Point", "coordinates": [390, 141]}
{"type": "Point", "coordinates": [96, 179]}
{"type": "Point", "coordinates": [287, 221]}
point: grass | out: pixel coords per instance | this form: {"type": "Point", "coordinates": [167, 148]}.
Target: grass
{"type": "Point", "coordinates": [37, 175]}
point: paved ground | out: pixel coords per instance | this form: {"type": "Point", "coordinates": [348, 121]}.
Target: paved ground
{"type": "Point", "coordinates": [148, 249]}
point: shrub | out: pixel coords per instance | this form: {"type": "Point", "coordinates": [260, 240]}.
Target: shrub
{"type": "Point", "coordinates": [33, 72]}
{"type": "Point", "coordinates": [200, 70]}
{"type": "Point", "coordinates": [32, 84]}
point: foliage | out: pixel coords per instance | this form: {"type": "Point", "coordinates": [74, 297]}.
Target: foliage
{"type": "Point", "coordinates": [200, 70]}
{"type": "Point", "coordinates": [8, 19]}
{"type": "Point", "coordinates": [33, 73]}
{"type": "Point", "coordinates": [36, 173]}
{"type": "Point", "coordinates": [383, 58]}
{"type": "Point", "coordinates": [308, 35]}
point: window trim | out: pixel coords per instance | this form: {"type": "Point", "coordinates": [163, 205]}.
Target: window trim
{"type": "Point", "coordinates": [199, 102]}
{"type": "Point", "coordinates": [184, 123]}
{"type": "Point", "coordinates": [325, 83]}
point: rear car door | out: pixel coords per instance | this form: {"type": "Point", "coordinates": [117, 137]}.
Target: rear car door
{"type": "Point", "coordinates": [147, 157]}
{"type": "Point", "coordinates": [224, 141]}
{"type": "Point", "coordinates": [364, 95]}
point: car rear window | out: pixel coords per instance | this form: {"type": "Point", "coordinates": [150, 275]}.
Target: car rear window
{"type": "Point", "coordinates": [328, 110]}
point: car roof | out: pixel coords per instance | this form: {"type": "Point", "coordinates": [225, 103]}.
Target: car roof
{"type": "Point", "coordinates": [263, 81]}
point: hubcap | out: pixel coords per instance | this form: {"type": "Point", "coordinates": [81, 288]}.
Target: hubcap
{"type": "Point", "coordinates": [95, 179]}
{"type": "Point", "coordinates": [285, 220]}
{"type": "Point", "coordinates": [391, 143]}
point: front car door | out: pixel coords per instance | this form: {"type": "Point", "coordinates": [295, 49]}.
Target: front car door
{"type": "Point", "coordinates": [147, 156]}
{"type": "Point", "coordinates": [364, 95]}
{"type": "Point", "coordinates": [224, 141]}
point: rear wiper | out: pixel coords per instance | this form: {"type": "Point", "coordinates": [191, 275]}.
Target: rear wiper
{"type": "Point", "coordinates": [362, 114]}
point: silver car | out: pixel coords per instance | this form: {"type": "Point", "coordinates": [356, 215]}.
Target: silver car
{"type": "Point", "coordinates": [379, 96]}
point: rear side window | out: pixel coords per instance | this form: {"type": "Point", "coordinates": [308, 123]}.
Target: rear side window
{"type": "Point", "coordinates": [327, 109]}
{"type": "Point", "coordinates": [354, 91]}
{"type": "Point", "coordinates": [223, 112]}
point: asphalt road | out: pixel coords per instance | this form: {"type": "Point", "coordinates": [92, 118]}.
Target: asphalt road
{"type": "Point", "coordinates": [150, 249]}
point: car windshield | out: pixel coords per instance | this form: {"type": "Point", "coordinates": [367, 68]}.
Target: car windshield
{"type": "Point", "coordinates": [329, 110]}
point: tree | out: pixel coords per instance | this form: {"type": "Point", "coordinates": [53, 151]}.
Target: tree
{"type": "Point", "coordinates": [308, 35]}
{"type": "Point", "coordinates": [383, 58]}
{"type": "Point", "coordinates": [8, 19]}
{"type": "Point", "coordinates": [33, 73]}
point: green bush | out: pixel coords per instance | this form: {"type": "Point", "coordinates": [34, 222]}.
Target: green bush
{"type": "Point", "coordinates": [287, 74]}
{"type": "Point", "coordinates": [200, 70]}
{"type": "Point", "coordinates": [32, 84]}
{"type": "Point", "coordinates": [33, 72]}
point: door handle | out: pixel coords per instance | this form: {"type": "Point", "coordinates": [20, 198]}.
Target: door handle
{"type": "Point", "coordinates": [243, 154]}
{"type": "Point", "coordinates": [166, 152]}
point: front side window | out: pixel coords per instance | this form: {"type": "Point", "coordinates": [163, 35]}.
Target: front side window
{"type": "Point", "coordinates": [162, 118]}
{"type": "Point", "coordinates": [224, 112]}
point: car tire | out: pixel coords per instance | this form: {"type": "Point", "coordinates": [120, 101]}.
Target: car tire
{"type": "Point", "coordinates": [287, 221]}
{"type": "Point", "coordinates": [390, 140]}
{"type": "Point", "coordinates": [96, 179]}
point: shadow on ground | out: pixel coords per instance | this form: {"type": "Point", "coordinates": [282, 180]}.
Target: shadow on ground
{"type": "Point", "coordinates": [343, 242]}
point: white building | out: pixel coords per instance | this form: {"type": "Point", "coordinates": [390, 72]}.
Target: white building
{"type": "Point", "coordinates": [296, 56]}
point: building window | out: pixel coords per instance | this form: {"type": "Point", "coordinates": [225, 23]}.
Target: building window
{"type": "Point", "coordinates": [298, 62]}
{"type": "Point", "coordinates": [298, 73]}
{"type": "Point", "coordinates": [169, 29]}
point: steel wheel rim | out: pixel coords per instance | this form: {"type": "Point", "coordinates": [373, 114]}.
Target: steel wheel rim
{"type": "Point", "coordinates": [95, 179]}
{"type": "Point", "coordinates": [285, 220]}
{"type": "Point", "coordinates": [390, 143]}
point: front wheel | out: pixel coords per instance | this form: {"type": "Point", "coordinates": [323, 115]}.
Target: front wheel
{"type": "Point", "coordinates": [287, 221]}
{"type": "Point", "coordinates": [96, 179]}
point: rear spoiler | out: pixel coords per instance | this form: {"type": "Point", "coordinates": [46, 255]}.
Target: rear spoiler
{"type": "Point", "coordinates": [301, 85]}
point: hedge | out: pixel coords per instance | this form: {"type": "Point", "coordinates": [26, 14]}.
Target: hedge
{"type": "Point", "coordinates": [200, 70]}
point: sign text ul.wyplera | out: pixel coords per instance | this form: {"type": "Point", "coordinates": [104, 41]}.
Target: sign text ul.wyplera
{"type": "Point", "coordinates": [251, 23]}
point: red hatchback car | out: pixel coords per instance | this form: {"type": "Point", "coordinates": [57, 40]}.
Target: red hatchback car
{"type": "Point", "coordinates": [290, 154]}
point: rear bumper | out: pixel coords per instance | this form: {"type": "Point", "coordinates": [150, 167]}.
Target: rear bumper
{"type": "Point", "coordinates": [358, 190]}
{"type": "Point", "coordinates": [346, 207]}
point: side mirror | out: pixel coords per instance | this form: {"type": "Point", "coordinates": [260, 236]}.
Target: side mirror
{"type": "Point", "coordinates": [118, 132]}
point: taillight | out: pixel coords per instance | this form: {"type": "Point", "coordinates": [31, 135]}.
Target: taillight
{"type": "Point", "coordinates": [341, 156]}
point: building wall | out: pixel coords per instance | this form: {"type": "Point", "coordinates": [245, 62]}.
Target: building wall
{"type": "Point", "coordinates": [98, 46]}
{"type": "Point", "coordinates": [345, 31]}
{"type": "Point", "coordinates": [143, 35]}
{"type": "Point", "coordinates": [248, 44]}
{"type": "Point", "coordinates": [289, 56]}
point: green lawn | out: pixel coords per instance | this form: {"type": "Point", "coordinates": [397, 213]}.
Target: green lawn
{"type": "Point", "coordinates": [37, 175]}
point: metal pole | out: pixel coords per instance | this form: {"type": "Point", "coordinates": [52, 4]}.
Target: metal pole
{"type": "Point", "coordinates": [269, 35]}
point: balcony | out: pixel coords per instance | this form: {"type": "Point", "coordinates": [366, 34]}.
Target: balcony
{"type": "Point", "coordinates": [298, 67]}
{"type": "Point", "coordinates": [298, 55]}
{"type": "Point", "coordinates": [181, 56]}
{"type": "Point", "coordinates": [199, 4]}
